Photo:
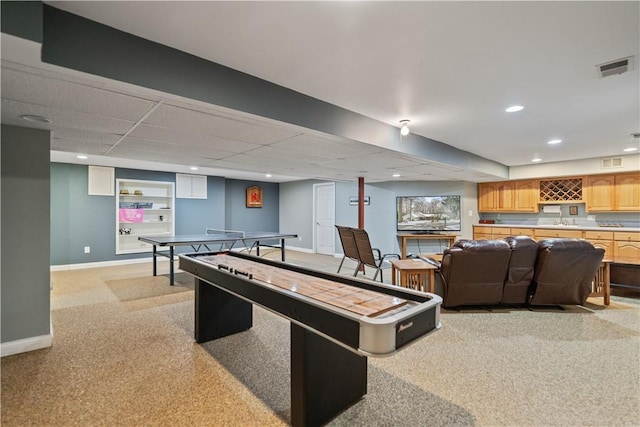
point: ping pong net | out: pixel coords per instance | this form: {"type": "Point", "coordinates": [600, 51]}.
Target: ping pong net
{"type": "Point", "coordinates": [228, 238]}
{"type": "Point", "coordinates": [225, 234]}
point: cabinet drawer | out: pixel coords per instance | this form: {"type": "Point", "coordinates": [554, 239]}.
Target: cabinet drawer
{"type": "Point", "coordinates": [482, 236]}
{"type": "Point", "coordinates": [552, 234]}
{"type": "Point", "coordinates": [604, 235]}
{"type": "Point", "coordinates": [523, 232]}
{"type": "Point", "coordinates": [501, 232]}
{"type": "Point", "coordinates": [626, 237]}
{"type": "Point", "coordinates": [481, 229]}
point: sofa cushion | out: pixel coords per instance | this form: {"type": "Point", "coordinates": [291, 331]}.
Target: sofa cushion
{"type": "Point", "coordinates": [524, 253]}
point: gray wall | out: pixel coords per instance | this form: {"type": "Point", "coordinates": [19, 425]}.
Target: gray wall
{"type": "Point", "coordinates": [239, 217]}
{"type": "Point", "coordinates": [25, 279]}
{"type": "Point", "coordinates": [296, 211]}
{"type": "Point", "coordinates": [80, 220]}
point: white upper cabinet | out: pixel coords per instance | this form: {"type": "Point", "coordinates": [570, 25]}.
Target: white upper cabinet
{"type": "Point", "coordinates": [191, 186]}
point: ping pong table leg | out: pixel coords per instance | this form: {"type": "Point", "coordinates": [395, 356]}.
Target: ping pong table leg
{"type": "Point", "coordinates": [171, 249]}
{"type": "Point", "coordinates": [282, 249]}
{"type": "Point", "coordinates": [155, 254]}
{"type": "Point", "coordinates": [325, 378]}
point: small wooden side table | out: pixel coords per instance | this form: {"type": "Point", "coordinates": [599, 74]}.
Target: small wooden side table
{"type": "Point", "coordinates": [602, 282]}
{"type": "Point", "coordinates": [414, 274]}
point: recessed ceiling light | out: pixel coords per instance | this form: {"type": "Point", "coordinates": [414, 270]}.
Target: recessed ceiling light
{"type": "Point", "coordinates": [396, 175]}
{"type": "Point", "coordinates": [38, 119]}
{"type": "Point", "coordinates": [268, 175]}
{"type": "Point", "coordinates": [536, 159]}
{"type": "Point", "coordinates": [193, 168]}
{"type": "Point", "coordinates": [629, 149]}
{"type": "Point", "coordinates": [83, 157]}
{"type": "Point", "coordinates": [554, 141]}
{"type": "Point", "coordinates": [514, 108]}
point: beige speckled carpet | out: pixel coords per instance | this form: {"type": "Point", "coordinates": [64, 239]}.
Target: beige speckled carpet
{"type": "Point", "coordinates": [124, 355]}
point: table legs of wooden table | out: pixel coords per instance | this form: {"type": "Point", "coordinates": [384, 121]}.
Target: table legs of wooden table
{"type": "Point", "coordinates": [602, 283]}
{"type": "Point", "coordinates": [407, 276]}
{"type": "Point", "coordinates": [607, 284]}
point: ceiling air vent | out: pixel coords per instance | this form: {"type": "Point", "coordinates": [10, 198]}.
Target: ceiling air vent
{"type": "Point", "coordinates": [616, 67]}
{"type": "Point", "coordinates": [612, 162]}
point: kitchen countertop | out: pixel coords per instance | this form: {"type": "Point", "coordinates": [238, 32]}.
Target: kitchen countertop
{"type": "Point", "coordinates": [563, 227]}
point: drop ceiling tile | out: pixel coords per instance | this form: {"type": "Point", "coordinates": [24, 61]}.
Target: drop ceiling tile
{"type": "Point", "coordinates": [269, 152]}
{"type": "Point", "coordinates": [65, 118]}
{"type": "Point", "coordinates": [85, 135]}
{"type": "Point", "coordinates": [172, 149]}
{"type": "Point", "coordinates": [175, 136]}
{"type": "Point", "coordinates": [49, 92]}
{"type": "Point", "coordinates": [306, 143]}
{"type": "Point", "coordinates": [374, 161]}
{"type": "Point", "coordinates": [78, 146]}
{"type": "Point", "coordinates": [210, 124]}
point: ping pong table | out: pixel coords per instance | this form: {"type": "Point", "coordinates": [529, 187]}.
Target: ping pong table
{"type": "Point", "coordinates": [249, 239]}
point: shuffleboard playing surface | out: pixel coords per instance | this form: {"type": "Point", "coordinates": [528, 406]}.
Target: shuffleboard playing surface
{"type": "Point", "coordinates": [360, 301]}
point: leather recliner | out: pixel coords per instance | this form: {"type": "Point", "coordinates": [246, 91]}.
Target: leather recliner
{"type": "Point", "coordinates": [522, 264]}
{"type": "Point", "coordinates": [564, 271]}
{"type": "Point", "coordinates": [473, 272]}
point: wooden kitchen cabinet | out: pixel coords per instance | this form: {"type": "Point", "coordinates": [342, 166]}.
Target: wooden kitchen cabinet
{"type": "Point", "coordinates": [496, 196]}
{"type": "Point", "coordinates": [521, 231]}
{"type": "Point", "coordinates": [601, 239]}
{"type": "Point", "coordinates": [600, 193]}
{"type": "Point", "coordinates": [621, 247]}
{"type": "Point", "coordinates": [481, 233]}
{"type": "Point", "coordinates": [526, 196]}
{"type": "Point", "coordinates": [626, 248]}
{"type": "Point", "coordinates": [627, 192]}
{"type": "Point", "coordinates": [613, 193]}
{"type": "Point", "coordinates": [555, 233]}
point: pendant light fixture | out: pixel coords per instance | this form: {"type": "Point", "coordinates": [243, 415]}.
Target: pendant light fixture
{"type": "Point", "coordinates": [404, 127]}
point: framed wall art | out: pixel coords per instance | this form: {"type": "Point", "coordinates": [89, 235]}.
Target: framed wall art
{"type": "Point", "coordinates": [254, 197]}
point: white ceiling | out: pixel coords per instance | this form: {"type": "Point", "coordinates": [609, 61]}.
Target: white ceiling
{"type": "Point", "coordinates": [450, 67]}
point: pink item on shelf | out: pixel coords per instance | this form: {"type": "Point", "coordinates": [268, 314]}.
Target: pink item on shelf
{"type": "Point", "coordinates": [131, 215]}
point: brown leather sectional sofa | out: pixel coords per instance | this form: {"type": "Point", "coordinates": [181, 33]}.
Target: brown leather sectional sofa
{"type": "Point", "coordinates": [518, 271]}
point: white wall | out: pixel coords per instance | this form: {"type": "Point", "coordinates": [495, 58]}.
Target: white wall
{"type": "Point", "coordinates": [630, 163]}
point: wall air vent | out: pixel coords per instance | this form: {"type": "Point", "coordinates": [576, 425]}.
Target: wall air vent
{"type": "Point", "coordinates": [615, 67]}
{"type": "Point", "coordinates": [611, 162]}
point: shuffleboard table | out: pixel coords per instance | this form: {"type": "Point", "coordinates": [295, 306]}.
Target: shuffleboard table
{"type": "Point", "coordinates": [336, 322]}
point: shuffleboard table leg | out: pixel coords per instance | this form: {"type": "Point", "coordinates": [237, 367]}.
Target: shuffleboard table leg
{"type": "Point", "coordinates": [325, 378]}
{"type": "Point", "coordinates": [218, 313]}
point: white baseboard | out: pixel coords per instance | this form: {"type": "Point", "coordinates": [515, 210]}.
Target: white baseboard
{"type": "Point", "coordinates": [27, 344]}
{"type": "Point", "coordinates": [104, 263]}
{"type": "Point", "coordinates": [294, 248]}
{"type": "Point", "coordinates": [135, 261]}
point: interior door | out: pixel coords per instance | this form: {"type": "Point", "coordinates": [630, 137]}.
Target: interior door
{"type": "Point", "coordinates": [324, 221]}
